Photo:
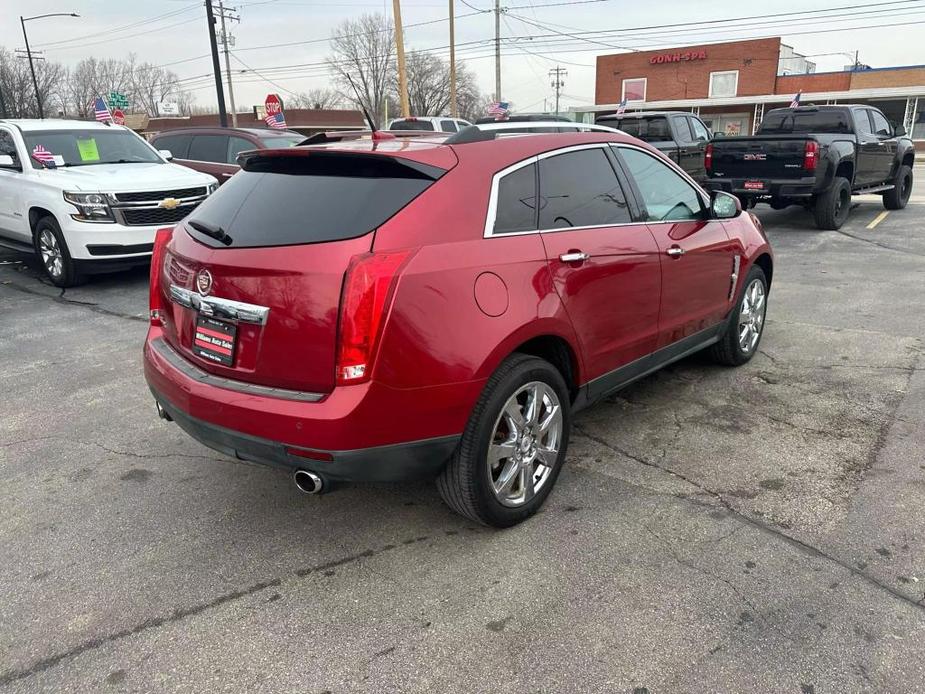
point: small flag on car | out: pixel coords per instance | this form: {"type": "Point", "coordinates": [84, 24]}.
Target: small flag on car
{"type": "Point", "coordinates": [101, 110]}
{"type": "Point", "coordinates": [275, 120]}
{"type": "Point", "coordinates": [499, 109]}
{"type": "Point", "coordinates": [796, 100]}
{"type": "Point", "coordinates": [621, 107]}
{"type": "Point", "coordinates": [42, 155]}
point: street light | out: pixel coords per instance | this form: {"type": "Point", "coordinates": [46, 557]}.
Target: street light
{"type": "Point", "coordinates": [35, 82]}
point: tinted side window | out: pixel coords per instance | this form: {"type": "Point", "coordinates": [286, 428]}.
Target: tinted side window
{"type": "Point", "coordinates": [882, 127]}
{"type": "Point", "coordinates": [236, 145]}
{"type": "Point", "coordinates": [700, 130]}
{"type": "Point", "coordinates": [665, 194]}
{"type": "Point", "coordinates": [209, 148]}
{"type": "Point", "coordinates": [177, 144]}
{"type": "Point", "coordinates": [516, 209]}
{"type": "Point", "coordinates": [684, 130]}
{"type": "Point", "coordinates": [862, 122]}
{"type": "Point", "coordinates": [448, 126]}
{"type": "Point", "coordinates": [580, 189]}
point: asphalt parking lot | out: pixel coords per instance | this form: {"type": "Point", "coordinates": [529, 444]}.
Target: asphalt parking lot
{"type": "Point", "coordinates": [714, 530]}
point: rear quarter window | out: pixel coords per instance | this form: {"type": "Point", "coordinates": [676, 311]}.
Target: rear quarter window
{"type": "Point", "coordinates": [285, 201]}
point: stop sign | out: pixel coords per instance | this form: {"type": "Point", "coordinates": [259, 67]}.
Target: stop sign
{"type": "Point", "coordinates": [273, 105]}
{"type": "Point", "coordinates": [118, 117]}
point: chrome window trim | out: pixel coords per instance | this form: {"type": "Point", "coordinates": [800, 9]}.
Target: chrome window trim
{"type": "Point", "coordinates": [184, 366]}
{"type": "Point", "coordinates": [493, 199]}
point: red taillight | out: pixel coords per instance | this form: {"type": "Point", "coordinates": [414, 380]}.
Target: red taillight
{"type": "Point", "coordinates": [810, 152]}
{"type": "Point", "coordinates": [161, 239]}
{"type": "Point", "coordinates": [368, 289]}
{"type": "Point", "coordinates": [708, 157]}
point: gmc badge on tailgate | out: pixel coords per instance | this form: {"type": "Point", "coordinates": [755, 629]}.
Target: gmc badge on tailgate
{"type": "Point", "coordinates": [759, 156]}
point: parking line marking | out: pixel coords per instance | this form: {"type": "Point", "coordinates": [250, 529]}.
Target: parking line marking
{"type": "Point", "coordinates": [879, 218]}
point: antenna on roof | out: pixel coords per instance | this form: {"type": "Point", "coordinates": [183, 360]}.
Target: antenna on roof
{"type": "Point", "coordinates": [369, 119]}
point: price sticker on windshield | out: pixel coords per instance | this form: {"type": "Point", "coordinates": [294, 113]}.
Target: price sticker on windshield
{"type": "Point", "coordinates": [87, 149]}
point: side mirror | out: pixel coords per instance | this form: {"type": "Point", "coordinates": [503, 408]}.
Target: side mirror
{"type": "Point", "coordinates": [6, 162]}
{"type": "Point", "coordinates": [725, 205]}
{"type": "Point", "coordinates": [166, 153]}
{"type": "Point", "coordinates": [899, 131]}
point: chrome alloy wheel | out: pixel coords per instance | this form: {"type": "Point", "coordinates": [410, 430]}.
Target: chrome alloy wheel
{"type": "Point", "coordinates": [52, 257]}
{"type": "Point", "coordinates": [525, 444]}
{"type": "Point", "coordinates": [751, 316]}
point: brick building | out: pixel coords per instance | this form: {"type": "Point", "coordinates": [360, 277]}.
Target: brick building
{"type": "Point", "coordinates": [731, 85]}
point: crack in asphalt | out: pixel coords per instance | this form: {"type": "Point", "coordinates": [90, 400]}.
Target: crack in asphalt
{"type": "Point", "coordinates": [14, 675]}
{"type": "Point", "coordinates": [90, 306]}
{"type": "Point", "coordinates": [765, 528]}
{"type": "Point", "coordinates": [905, 251]}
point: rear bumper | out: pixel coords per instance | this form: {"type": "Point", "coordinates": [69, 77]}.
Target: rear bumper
{"type": "Point", "coordinates": [403, 461]}
{"type": "Point", "coordinates": [367, 432]}
{"type": "Point", "coordinates": [774, 188]}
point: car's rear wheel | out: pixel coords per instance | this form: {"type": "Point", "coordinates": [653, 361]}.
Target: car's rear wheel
{"type": "Point", "coordinates": [54, 254]}
{"type": "Point", "coordinates": [832, 207]}
{"type": "Point", "coordinates": [746, 322]}
{"type": "Point", "coordinates": [513, 447]}
{"type": "Point", "coordinates": [898, 197]}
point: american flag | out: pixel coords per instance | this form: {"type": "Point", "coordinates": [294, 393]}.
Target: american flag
{"type": "Point", "coordinates": [796, 100]}
{"type": "Point", "coordinates": [621, 108]}
{"type": "Point", "coordinates": [275, 120]}
{"type": "Point", "coordinates": [41, 154]}
{"type": "Point", "coordinates": [499, 108]}
{"type": "Point", "coordinates": [101, 110]}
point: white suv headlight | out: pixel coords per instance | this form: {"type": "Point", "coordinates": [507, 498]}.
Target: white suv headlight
{"type": "Point", "coordinates": [92, 207]}
{"type": "Point", "coordinates": [211, 188]}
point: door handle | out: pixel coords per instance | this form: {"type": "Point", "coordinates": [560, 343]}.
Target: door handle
{"type": "Point", "coordinates": [675, 251]}
{"type": "Point", "coordinates": [574, 257]}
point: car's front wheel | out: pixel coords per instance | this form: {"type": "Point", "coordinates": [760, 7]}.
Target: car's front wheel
{"type": "Point", "coordinates": [513, 447]}
{"type": "Point", "coordinates": [54, 254]}
{"type": "Point", "coordinates": [746, 322]}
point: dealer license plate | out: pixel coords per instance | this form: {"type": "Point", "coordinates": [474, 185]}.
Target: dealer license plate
{"type": "Point", "coordinates": [754, 185]}
{"type": "Point", "coordinates": [215, 340]}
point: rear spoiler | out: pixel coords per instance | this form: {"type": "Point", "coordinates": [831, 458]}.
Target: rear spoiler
{"type": "Point", "coordinates": [341, 135]}
{"type": "Point", "coordinates": [323, 162]}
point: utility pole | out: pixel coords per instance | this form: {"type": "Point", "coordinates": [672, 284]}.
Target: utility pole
{"type": "Point", "coordinates": [498, 50]}
{"type": "Point", "coordinates": [400, 49]}
{"type": "Point", "coordinates": [557, 73]}
{"type": "Point", "coordinates": [35, 82]}
{"type": "Point", "coordinates": [228, 40]}
{"type": "Point", "coordinates": [216, 68]}
{"type": "Point", "coordinates": [453, 110]}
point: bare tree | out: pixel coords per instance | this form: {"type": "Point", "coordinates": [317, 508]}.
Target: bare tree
{"type": "Point", "coordinates": [364, 49]}
{"type": "Point", "coordinates": [18, 90]}
{"type": "Point", "coordinates": [320, 98]}
{"type": "Point", "coordinates": [429, 87]}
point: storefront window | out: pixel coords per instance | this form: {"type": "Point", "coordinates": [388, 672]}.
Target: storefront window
{"type": "Point", "coordinates": [918, 122]}
{"type": "Point", "coordinates": [634, 89]}
{"type": "Point", "coordinates": [724, 83]}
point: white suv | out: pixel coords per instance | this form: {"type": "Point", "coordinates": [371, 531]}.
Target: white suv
{"type": "Point", "coordinates": [88, 197]}
{"type": "Point", "coordinates": [443, 124]}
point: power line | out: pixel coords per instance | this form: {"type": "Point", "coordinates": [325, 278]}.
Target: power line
{"type": "Point", "coordinates": [109, 32]}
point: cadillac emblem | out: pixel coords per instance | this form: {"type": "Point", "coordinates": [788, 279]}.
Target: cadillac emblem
{"type": "Point", "coordinates": [204, 282]}
{"type": "Point", "coordinates": [168, 204]}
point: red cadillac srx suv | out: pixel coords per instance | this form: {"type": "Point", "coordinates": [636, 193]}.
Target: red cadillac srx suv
{"type": "Point", "coordinates": [378, 309]}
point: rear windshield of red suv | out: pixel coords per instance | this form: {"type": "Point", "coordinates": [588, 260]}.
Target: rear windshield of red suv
{"type": "Point", "coordinates": [322, 196]}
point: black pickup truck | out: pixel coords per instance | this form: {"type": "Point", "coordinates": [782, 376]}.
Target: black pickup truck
{"type": "Point", "coordinates": [818, 157]}
{"type": "Point", "coordinates": [680, 135]}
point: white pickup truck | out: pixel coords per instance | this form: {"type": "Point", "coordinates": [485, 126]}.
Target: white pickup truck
{"type": "Point", "coordinates": [88, 197]}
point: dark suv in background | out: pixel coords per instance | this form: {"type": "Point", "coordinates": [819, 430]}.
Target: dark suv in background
{"type": "Point", "coordinates": [214, 150]}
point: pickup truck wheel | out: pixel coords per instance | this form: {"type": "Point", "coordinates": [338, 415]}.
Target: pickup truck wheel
{"type": "Point", "coordinates": [897, 198]}
{"type": "Point", "coordinates": [513, 447]}
{"type": "Point", "coordinates": [746, 322]}
{"type": "Point", "coordinates": [53, 253]}
{"type": "Point", "coordinates": [832, 207]}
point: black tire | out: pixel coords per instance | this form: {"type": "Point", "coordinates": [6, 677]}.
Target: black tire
{"type": "Point", "coordinates": [62, 274]}
{"type": "Point", "coordinates": [465, 483]}
{"type": "Point", "coordinates": [832, 207]}
{"type": "Point", "coordinates": [897, 198]}
{"type": "Point", "coordinates": [729, 350]}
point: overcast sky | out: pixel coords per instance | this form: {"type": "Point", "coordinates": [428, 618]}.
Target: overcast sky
{"type": "Point", "coordinates": [183, 36]}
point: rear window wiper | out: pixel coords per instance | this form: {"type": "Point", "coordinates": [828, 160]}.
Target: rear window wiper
{"type": "Point", "coordinates": [214, 232]}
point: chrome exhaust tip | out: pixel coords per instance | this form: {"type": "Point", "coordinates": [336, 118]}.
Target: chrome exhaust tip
{"type": "Point", "coordinates": [162, 413]}
{"type": "Point", "coordinates": [308, 482]}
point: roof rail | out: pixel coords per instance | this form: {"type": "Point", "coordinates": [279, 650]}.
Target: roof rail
{"type": "Point", "coordinates": [325, 137]}
{"type": "Point", "coordinates": [490, 131]}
